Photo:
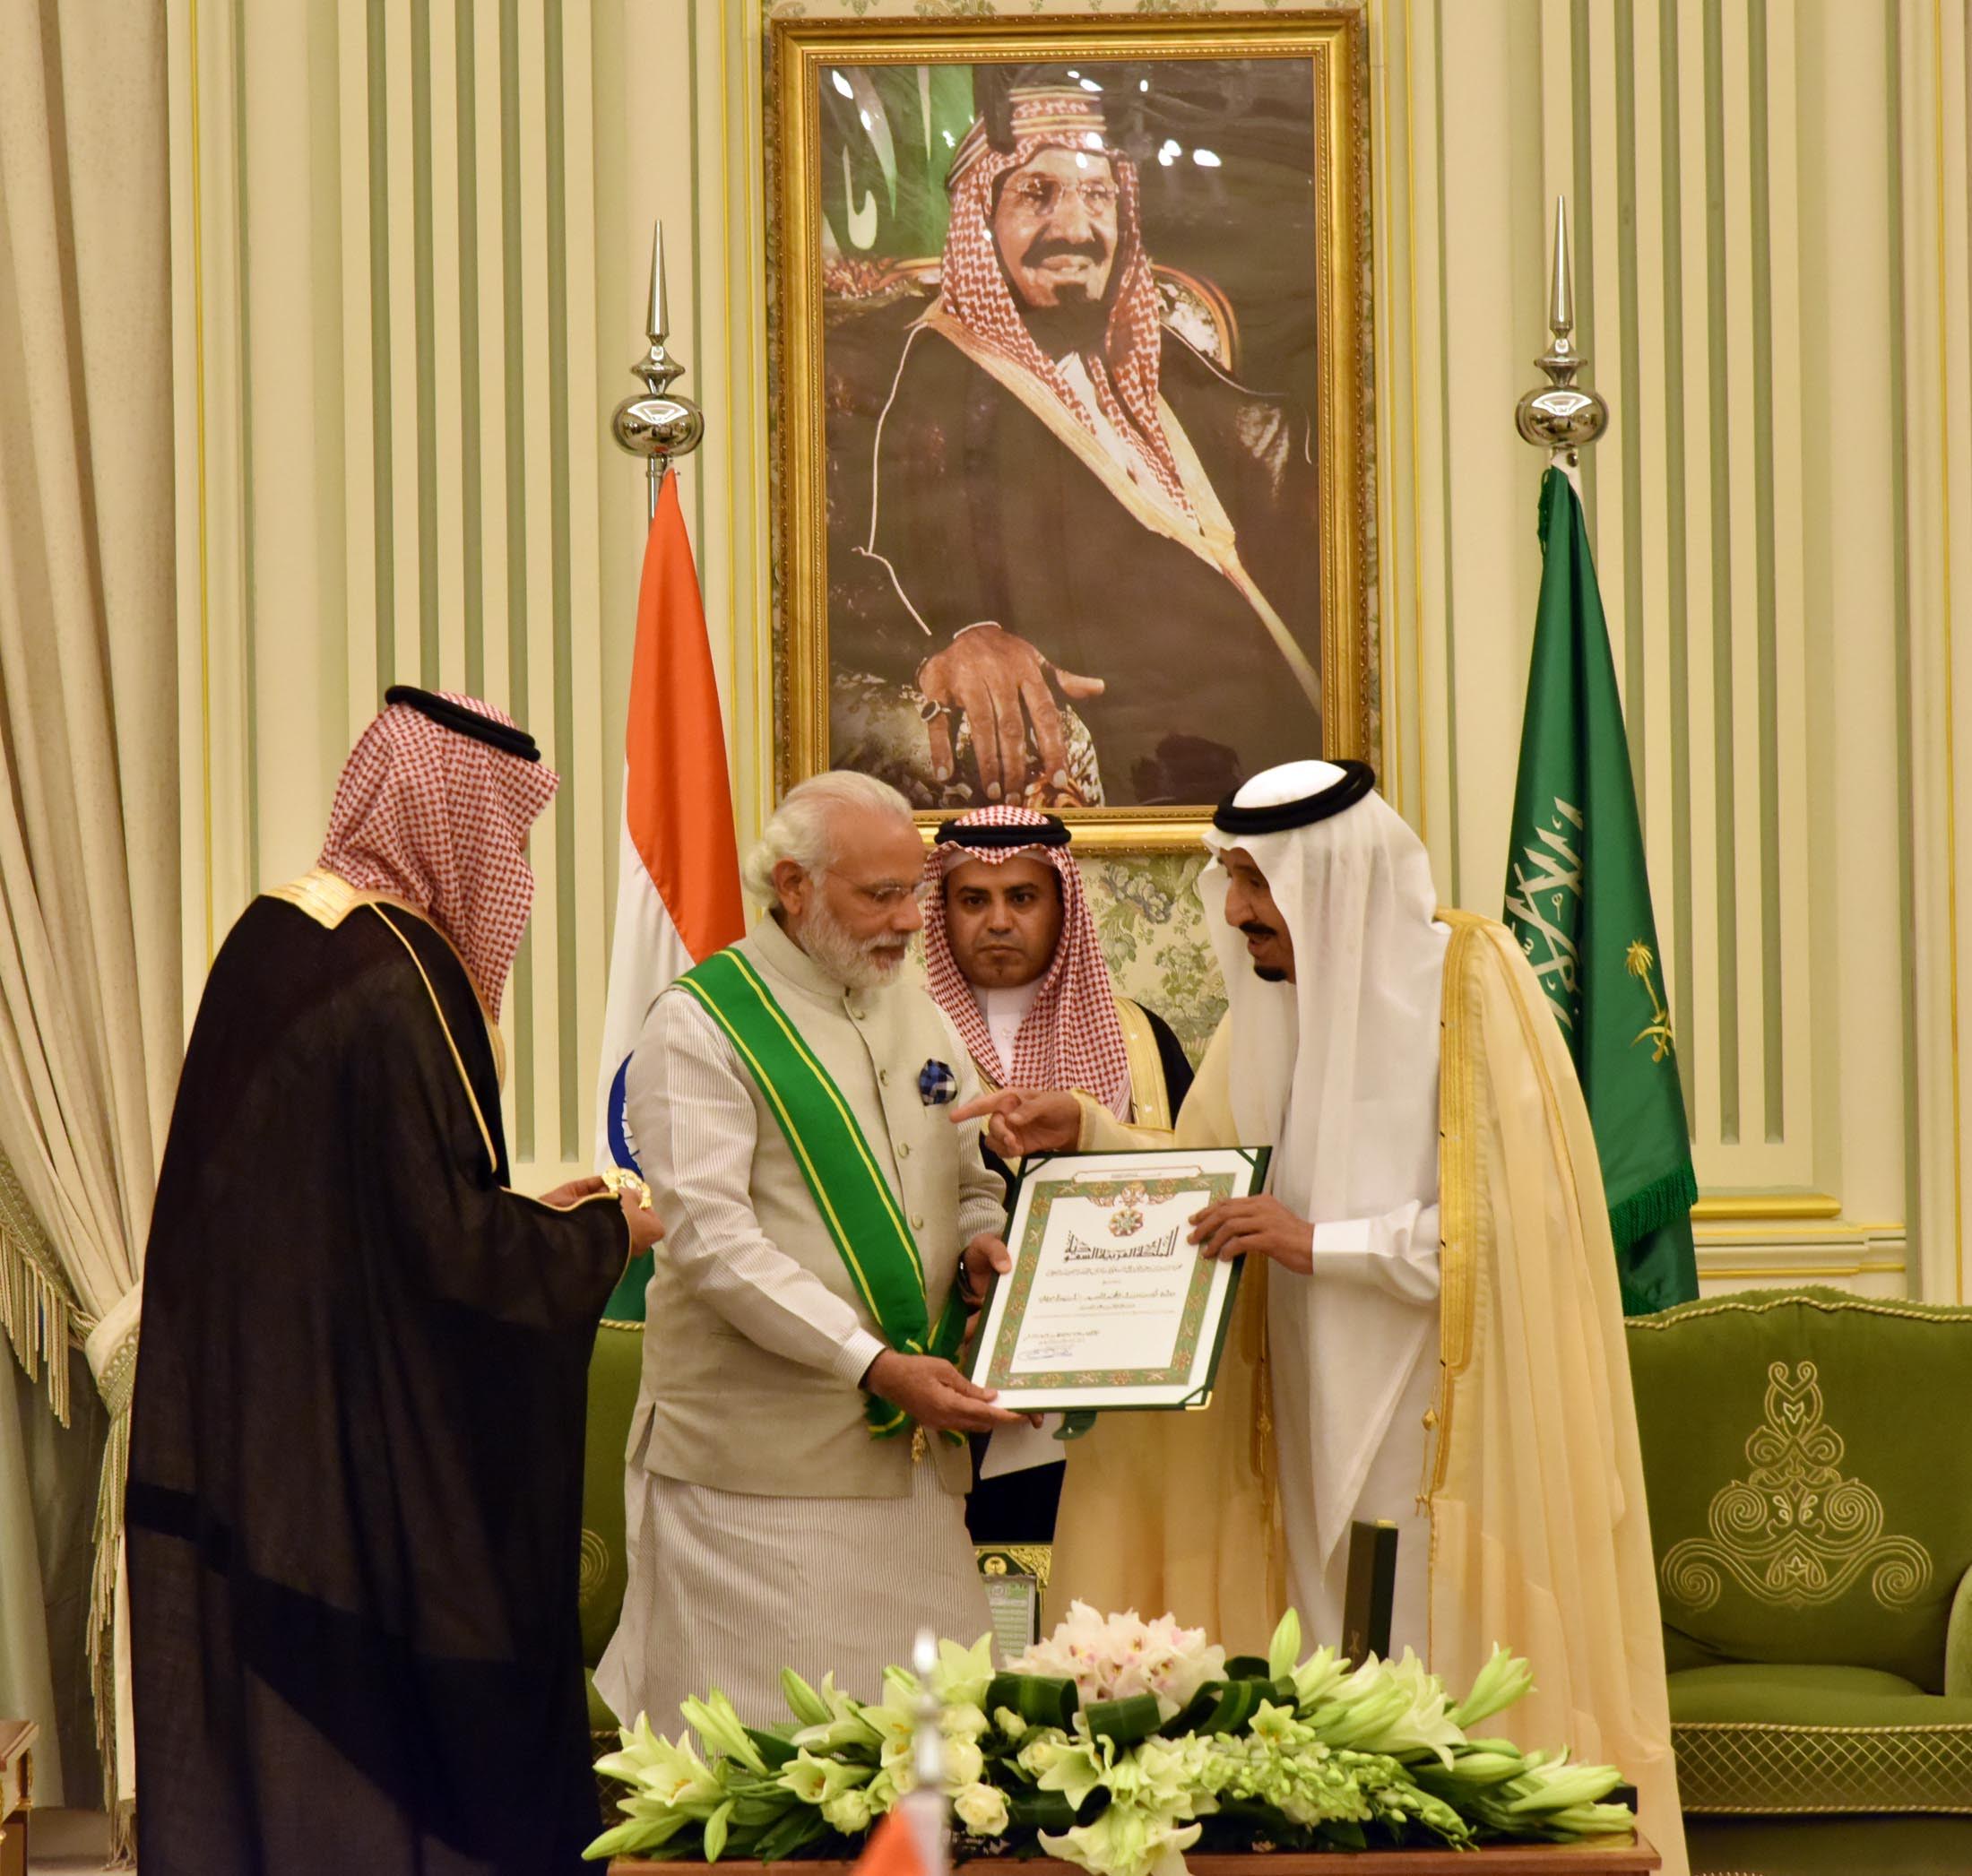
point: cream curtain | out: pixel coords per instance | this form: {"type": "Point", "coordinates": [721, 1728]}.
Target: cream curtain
{"type": "Point", "coordinates": [90, 1023]}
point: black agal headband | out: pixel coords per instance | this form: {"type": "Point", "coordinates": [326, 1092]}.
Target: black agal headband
{"type": "Point", "coordinates": [510, 739]}
{"type": "Point", "coordinates": [1004, 835]}
{"type": "Point", "coordinates": [1356, 781]}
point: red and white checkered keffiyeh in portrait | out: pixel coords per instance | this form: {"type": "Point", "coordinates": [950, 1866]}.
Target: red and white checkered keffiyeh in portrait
{"type": "Point", "coordinates": [440, 820]}
{"type": "Point", "coordinates": [1071, 1037]}
{"type": "Point", "coordinates": [975, 288]}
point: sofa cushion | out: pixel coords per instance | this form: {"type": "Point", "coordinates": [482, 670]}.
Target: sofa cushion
{"type": "Point", "coordinates": [1810, 1493]}
{"type": "Point", "coordinates": [1788, 1737]}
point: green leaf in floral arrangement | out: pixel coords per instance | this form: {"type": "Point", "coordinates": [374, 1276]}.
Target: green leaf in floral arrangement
{"type": "Point", "coordinates": [1040, 1699]}
{"type": "Point", "coordinates": [776, 1747]}
{"type": "Point", "coordinates": [1039, 1810]}
{"type": "Point", "coordinates": [1219, 1707]}
{"type": "Point", "coordinates": [758, 1804]}
{"type": "Point", "coordinates": [798, 1828]}
{"type": "Point", "coordinates": [1247, 1667]}
{"type": "Point", "coordinates": [715, 1832]}
{"type": "Point", "coordinates": [1283, 1652]}
{"type": "Point", "coordinates": [1124, 1722]}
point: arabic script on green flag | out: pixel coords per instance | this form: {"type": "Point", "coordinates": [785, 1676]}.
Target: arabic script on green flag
{"type": "Point", "coordinates": [1577, 898]}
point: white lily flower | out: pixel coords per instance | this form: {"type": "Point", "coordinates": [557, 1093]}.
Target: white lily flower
{"type": "Point", "coordinates": [963, 1675]}
{"type": "Point", "coordinates": [815, 1781]}
{"type": "Point", "coordinates": [1503, 1680]}
{"type": "Point", "coordinates": [1284, 1650]}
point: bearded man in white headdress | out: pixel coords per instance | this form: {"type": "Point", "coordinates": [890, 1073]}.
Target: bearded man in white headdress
{"type": "Point", "coordinates": [1439, 1338]}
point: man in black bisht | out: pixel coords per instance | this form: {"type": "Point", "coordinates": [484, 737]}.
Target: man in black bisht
{"type": "Point", "coordinates": [356, 1458]}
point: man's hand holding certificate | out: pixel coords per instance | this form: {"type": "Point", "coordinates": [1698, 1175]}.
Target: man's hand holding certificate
{"type": "Point", "coordinates": [1110, 1302]}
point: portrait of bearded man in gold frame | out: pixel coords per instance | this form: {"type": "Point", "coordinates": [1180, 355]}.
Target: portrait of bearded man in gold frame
{"type": "Point", "coordinates": [1072, 349]}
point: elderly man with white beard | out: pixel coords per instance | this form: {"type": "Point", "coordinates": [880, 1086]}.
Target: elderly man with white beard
{"type": "Point", "coordinates": [797, 1465]}
{"type": "Point", "coordinates": [1430, 1328]}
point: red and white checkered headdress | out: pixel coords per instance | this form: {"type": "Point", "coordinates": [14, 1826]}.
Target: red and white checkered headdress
{"type": "Point", "coordinates": [439, 819]}
{"type": "Point", "coordinates": [975, 288]}
{"type": "Point", "coordinates": [1071, 1037]}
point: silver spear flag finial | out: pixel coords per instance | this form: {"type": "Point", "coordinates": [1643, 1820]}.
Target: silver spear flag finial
{"type": "Point", "coordinates": [1563, 417]}
{"type": "Point", "coordinates": [660, 425]}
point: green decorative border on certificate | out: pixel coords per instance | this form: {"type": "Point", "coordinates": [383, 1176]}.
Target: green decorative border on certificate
{"type": "Point", "coordinates": [1027, 1258]}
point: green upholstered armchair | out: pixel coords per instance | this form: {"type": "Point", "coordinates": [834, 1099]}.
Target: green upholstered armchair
{"type": "Point", "coordinates": [614, 1372]}
{"type": "Point", "coordinates": [1808, 1455]}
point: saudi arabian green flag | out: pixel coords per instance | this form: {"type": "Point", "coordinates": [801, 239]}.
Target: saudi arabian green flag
{"type": "Point", "coordinates": [1578, 900]}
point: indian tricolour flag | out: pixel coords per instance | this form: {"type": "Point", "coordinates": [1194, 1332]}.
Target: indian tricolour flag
{"type": "Point", "coordinates": [678, 878]}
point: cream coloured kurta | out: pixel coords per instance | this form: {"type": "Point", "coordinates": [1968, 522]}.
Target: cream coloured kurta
{"type": "Point", "coordinates": [751, 1470]}
{"type": "Point", "coordinates": [1539, 1536]}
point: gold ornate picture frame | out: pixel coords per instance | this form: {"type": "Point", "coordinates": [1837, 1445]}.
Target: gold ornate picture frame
{"type": "Point", "coordinates": [1072, 397]}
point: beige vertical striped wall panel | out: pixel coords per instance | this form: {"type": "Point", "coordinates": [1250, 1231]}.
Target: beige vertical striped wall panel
{"type": "Point", "coordinates": [1733, 173]}
{"type": "Point", "coordinates": [411, 249]}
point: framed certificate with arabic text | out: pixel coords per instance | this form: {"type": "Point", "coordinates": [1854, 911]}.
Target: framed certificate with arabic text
{"type": "Point", "coordinates": [1109, 1304]}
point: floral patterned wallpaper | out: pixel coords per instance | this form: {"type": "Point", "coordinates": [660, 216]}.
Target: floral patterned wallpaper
{"type": "Point", "coordinates": [1154, 935]}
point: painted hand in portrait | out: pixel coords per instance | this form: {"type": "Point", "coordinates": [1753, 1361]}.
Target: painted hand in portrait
{"type": "Point", "coordinates": [1068, 359]}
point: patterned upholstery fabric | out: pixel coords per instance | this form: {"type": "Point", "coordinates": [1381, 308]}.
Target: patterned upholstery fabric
{"type": "Point", "coordinates": [1810, 1507]}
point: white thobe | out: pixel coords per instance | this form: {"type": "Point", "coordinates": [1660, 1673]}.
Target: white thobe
{"type": "Point", "coordinates": [1368, 1315]}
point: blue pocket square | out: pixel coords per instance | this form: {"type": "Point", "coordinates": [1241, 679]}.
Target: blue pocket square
{"type": "Point", "coordinates": [937, 1085]}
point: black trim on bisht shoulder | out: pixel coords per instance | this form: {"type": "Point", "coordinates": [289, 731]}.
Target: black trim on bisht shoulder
{"type": "Point", "coordinates": [510, 739]}
{"type": "Point", "coordinates": [1051, 831]}
{"type": "Point", "coordinates": [1356, 781]}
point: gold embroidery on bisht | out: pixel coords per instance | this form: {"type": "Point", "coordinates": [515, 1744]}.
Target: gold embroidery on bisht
{"type": "Point", "coordinates": [1795, 1532]}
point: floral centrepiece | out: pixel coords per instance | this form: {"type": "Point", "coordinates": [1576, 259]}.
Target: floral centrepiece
{"type": "Point", "coordinates": [1116, 1744]}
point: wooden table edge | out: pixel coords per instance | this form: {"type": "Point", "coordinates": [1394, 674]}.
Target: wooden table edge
{"type": "Point", "coordinates": [1628, 1854]}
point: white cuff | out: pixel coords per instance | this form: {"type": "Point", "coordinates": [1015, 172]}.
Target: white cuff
{"type": "Point", "coordinates": [1342, 1238]}
{"type": "Point", "coordinates": [854, 1358]}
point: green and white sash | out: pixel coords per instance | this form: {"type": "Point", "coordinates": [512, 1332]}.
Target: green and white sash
{"type": "Point", "coordinates": [864, 1221]}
